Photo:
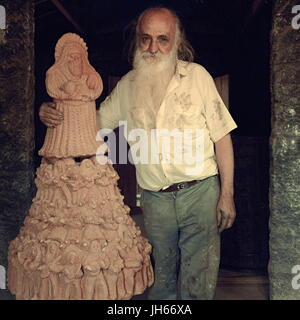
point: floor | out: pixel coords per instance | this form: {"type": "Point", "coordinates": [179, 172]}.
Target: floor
{"type": "Point", "coordinates": [232, 285]}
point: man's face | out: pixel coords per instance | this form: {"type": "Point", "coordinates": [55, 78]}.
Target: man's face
{"type": "Point", "coordinates": [156, 32]}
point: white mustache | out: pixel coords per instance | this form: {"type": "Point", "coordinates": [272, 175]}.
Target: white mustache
{"type": "Point", "coordinates": [151, 55]}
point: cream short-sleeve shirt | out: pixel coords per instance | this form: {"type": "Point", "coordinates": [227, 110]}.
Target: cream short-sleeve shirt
{"type": "Point", "coordinates": [191, 117]}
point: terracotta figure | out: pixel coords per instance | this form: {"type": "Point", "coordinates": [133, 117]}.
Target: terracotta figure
{"type": "Point", "coordinates": [78, 241]}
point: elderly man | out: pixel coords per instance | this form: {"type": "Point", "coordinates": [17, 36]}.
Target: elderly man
{"type": "Point", "coordinates": [185, 207]}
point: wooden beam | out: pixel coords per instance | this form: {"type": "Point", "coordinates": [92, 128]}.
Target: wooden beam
{"type": "Point", "coordinates": [67, 15]}
{"type": "Point", "coordinates": [256, 6]}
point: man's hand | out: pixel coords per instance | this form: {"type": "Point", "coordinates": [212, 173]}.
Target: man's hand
{"type": "Point", "coordinates": [49, 115]}
{"type": "Point", "coordinates": [225, 208]}
{"type": "Point", "coordinates": [225, 212]}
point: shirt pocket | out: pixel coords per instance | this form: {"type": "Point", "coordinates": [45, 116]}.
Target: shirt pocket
{"type": "Point", "coordinates": [188, 116]}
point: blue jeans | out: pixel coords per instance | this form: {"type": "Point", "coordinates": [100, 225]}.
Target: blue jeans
{"type": "Point", "coordinates": [182, 228]}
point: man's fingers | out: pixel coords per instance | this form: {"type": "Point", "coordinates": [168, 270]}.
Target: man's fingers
{"type": "Point", "coordinates": [230, 222]}
{"type": "Point", "coordinates": [48, 105]}
{"type": "Point", "coordinates": [52, 115]}
{"type": "Point", "coordinates": [52, 123]}
{"type": "Point", "coordinates": [51, 111]}
{"type": "Point", "coordinates": [49, 115]}
{"type": "Point", "coordinates": [223, 224]}
{"type": "Point", "coordinates": [52, 105]}
{"type": "Point", "coordinates": [50, 108]}
{"type": "Point", "coordinates": [225, 221]}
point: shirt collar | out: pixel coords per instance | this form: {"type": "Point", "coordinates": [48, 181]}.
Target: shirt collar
{"type": "Point", "coordinates": [181, 68]}
{"type": "Point", "coordinates": [180, 72]}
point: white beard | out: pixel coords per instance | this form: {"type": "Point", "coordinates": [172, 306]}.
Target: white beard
{"type": "Point", "coordinates": [152, 76]}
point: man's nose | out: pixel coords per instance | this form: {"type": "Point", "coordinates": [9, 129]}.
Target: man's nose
{"type": "Point", "coordinates": [153, 48]}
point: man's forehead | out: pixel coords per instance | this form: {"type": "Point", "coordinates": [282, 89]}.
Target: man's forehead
{"type": "Point", "coordinates": [161, 20]}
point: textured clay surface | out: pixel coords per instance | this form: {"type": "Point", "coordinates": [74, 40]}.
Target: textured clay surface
{"type": "Point", "coordinates": [78, 241]}
{"type": "Point", "coordinates": [74, 85]}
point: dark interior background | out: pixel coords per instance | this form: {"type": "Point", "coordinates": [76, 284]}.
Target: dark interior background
{"type": "Point", "coordinates": [229, 37]}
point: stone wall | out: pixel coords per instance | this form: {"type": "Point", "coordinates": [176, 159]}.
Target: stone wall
{"type": "Point", "coordinates": [16, 119]}
{"type": "Point", "coordinates": [285, 162]}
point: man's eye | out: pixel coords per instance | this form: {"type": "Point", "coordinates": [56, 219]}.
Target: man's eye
{"type": "Point", "coordinates": [145, 39]}
{"type": "Point", "coordinates": [163, 39]}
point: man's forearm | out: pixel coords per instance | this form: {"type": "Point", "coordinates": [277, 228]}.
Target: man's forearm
{"type": "Point", "coordinates": [225, 161]}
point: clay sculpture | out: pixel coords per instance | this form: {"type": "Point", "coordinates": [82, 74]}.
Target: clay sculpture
{"type": "Point", "coordinates": [78, 241]}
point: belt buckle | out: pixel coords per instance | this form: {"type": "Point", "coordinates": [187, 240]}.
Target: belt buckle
{"type": "Point", "coordinates": [181, 185]}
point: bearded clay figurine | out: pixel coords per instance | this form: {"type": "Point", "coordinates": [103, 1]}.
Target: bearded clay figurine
{"type": "Point", "coordinates": [78, 241]}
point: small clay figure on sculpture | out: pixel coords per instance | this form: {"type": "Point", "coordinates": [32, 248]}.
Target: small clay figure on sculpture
{"type": "Point", "coordinates": [74, 85]}
{"type": "Point", "coordinates": [78, 241]}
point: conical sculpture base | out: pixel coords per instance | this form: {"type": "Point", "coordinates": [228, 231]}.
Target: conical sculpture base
{"type": "Point", "coordinates": [78, 241]}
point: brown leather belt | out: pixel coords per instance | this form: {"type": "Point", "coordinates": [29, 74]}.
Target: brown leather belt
{"type": "Point", "coordinates": [179, 186]}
